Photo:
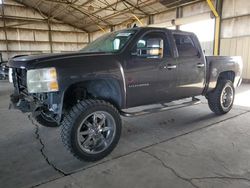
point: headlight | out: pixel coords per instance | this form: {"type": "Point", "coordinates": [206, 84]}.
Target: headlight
{"type": "Point", "coordinates": [10, 75]}
{"type": "Point", "coordinates": [42, 80]}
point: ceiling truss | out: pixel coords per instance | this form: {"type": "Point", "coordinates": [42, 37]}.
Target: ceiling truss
{"type": "Point", "coordinates": [93, 15]}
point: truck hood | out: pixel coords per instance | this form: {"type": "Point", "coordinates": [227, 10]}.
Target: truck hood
{"type": "Point", "coordinates": [30, 61]}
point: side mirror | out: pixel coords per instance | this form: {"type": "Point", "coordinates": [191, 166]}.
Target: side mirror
{"type": "Point", "coordinates": [149, 52]}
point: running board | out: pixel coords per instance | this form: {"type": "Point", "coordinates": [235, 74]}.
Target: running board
{"type": "Point", "coordinates": [164, 107]}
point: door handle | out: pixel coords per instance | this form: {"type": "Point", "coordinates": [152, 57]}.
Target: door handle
{"type": "Point", "coordinates": [168, 67]}
{"type": "Point", "coordinates": [200, 65]}
{"type": "Point", "coordinates": [171, 67]}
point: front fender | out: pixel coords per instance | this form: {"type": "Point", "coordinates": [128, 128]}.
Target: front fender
{"type": "Point", "coordinates": [114, 78]}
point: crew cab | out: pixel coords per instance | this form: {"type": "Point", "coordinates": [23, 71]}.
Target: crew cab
{"type": "Point", "coordinates": [85, 92]}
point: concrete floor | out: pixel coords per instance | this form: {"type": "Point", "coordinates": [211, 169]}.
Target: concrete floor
{"type": "Point", "coordinates": [186, 147]}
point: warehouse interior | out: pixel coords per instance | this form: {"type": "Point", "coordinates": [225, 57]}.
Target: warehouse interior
{"type": "Point", "coordinates": [185, 147]}
{"type": "Point", "coordinates": [30, 27]}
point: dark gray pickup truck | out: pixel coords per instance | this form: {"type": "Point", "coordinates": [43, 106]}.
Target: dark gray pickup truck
{"type": "Point", "coordinates": [86, 91]}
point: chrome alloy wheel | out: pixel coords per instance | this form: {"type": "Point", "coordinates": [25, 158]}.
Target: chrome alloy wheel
{"type": "Point", "coordinates": [96, 132]}
{"type": "Point", "coordinates": [227, 97]}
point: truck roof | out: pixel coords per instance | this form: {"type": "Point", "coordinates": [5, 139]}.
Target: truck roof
{"type": "Point", "coordinates": [158, 28]}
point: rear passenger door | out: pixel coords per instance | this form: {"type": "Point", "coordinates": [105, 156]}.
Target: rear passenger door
{"type": "Point", "coordinates": [191, 65]}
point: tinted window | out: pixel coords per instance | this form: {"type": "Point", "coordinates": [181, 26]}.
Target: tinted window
{"type": "Point", "coordinates": [185, 45]}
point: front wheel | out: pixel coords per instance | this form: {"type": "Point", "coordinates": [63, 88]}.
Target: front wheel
{"type": "Point", "coordinates": [221, 100]}
{"type": "Point", "coordinates": [91, 129]}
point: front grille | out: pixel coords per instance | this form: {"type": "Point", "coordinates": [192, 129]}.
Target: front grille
{"type": "Point", "coordinates": [20, 80]}
{"type": "Point", "coordinates": [21, 76]}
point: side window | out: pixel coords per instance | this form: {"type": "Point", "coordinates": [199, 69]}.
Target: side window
{"type": "Point", "coordinates": [185, 45]}
{"type": "Point", "coordinates": [151, 46]}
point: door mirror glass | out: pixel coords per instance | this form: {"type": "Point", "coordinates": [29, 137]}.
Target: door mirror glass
{"type": "Point", "coordinates": [116, 44]}
{"type": "Point", "coordinates": [150, 46]}
{"type": "Point", "coordinates": [150, 52]}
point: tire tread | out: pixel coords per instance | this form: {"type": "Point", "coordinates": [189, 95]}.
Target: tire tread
{"type": "Point", "coordinates": [214, 98]}
{"type": "Point", "coordinates": [71, 116]}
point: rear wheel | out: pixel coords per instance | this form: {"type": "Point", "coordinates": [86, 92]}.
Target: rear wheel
{"type": "Point", "coordinates": [221, 100]}
{"type": "Point", "coordinates": [91, 129]}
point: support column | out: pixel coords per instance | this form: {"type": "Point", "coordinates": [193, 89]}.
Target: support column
{"type": "Point", "coordinates": [179, 14]}
{"type": "Point", "coordinates": [89, 38]}
{"type": "Point", "coordinates": [50, 37]}
{"type": "Point", "coordinates": [150, 19]}
{"type": "Point", "coordinates": [217, 15]}
{"type": "Point", "coordinates": [4, 28]}
{"type": "Point", "coordinates": [219, 4]}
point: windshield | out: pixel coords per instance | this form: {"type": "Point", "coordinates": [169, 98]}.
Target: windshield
{"type": "Point", "coordinates": [111, 42]}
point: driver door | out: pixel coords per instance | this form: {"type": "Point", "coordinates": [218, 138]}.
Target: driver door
{"type": "Point", "coordinates": [145, 70]}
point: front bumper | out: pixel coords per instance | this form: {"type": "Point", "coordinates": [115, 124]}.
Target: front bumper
{"type": "Point", "coordinates": [20, 99]}
{"type": "Point", "coordinates": [22, 103]}
{"type": "Point", "coordinates": [30, 104]}
{"type": "Point", "coordinates": [49, 103]}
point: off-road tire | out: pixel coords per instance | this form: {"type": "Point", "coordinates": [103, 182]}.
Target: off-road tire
{"type": "Point", "coordinates": [214, 98]}
{"type": "Point", "coordinates": [46, 122]}
{"type": "Point", "coordinates": [72, 121]}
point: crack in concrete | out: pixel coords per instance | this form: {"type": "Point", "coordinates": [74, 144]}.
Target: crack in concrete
{"type": "Point", "coordinates": [221, 178]}
{"type": "Point", "coordinates": [140, 149]}
{"type": "Point", "coordinates": [190, 180]}
{"type": "Point", "coordinates": [165, 140]}
{"type": "Point", "coordinates": [219, 162]}
{"type": "Point", "coordinates": [170, 168]}
{"type": "Point", "coordinates": [43, 147]}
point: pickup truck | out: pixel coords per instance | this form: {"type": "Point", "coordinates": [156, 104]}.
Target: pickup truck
{"type": "Point", "coordinates": [87, 91]}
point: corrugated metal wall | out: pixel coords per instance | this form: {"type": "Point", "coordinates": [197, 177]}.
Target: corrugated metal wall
{"type": "Point", "coordinates": [238, 46]}
{"type": "Point", "coordinates": [235, 33]}
{"type": "Point", "coordinates": [28, 33]}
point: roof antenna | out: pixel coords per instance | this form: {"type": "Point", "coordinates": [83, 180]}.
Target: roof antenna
{"type": "Point", "coordinates": [134, 26]}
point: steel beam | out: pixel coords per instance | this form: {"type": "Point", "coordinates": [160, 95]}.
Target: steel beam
{"type": "Point", "coordinates": [219, 4]}
{"type": "Point", "coordinates": [217, 26]}
{"type": "Point", "coordinates": [83, 11]}
{"type": "Point", "coordinates": [61, 21]}
{"type": "Point", "coordinates": [135, 7]}
{"type": "Point", "coordinates": [148, 3]}
{"type": "Point", "coordinates": [122, 12]}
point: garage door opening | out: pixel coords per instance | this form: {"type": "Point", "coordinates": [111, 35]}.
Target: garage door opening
{"type": "Point", "coordinates": [205, 32]}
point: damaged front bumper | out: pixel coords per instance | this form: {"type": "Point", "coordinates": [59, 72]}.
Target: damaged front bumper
{"type": "Point", "coordinates": [48, 103]}
{"type": "Point", "coordinates": [22, 103]}
{"type": "Point", "coordinates": [30, 104]}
